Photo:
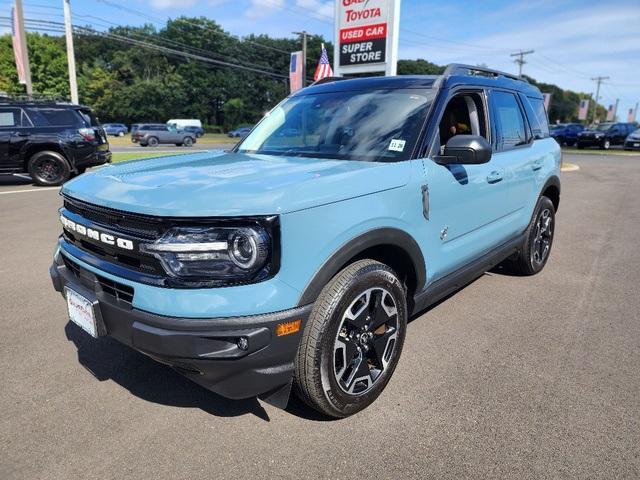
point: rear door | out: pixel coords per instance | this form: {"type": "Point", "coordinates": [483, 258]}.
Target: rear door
{"type": "Point", "coordinates": [14, 133]}
{"type": "Point", "coordinates": [516, 151]}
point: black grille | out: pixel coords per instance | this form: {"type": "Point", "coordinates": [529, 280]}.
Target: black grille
{"type": "Point", "coordinates": [137, 225]}
{"type": "Point", "coordinates": [117, 290]}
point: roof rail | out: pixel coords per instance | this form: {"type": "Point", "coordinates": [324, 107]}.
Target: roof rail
{"type": "Point", "coordinates": [462, 69]}
{"type": "Point", "coordinates": [34, 98]}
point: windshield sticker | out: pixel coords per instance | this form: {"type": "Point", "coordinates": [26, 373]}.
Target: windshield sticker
{"type": "Point", "coordinates": [397, 145]}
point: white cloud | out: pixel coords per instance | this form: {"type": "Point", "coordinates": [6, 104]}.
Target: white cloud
{"type": "Point", "coordinates": [322, 10]}
{"type": "Point", "coordinates": [264, 8]}
{"type": "Point", "coordinates": [166, 4]}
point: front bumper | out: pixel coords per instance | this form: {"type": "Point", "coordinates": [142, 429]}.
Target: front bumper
{"type": "Point", "coordinates": [590, 141]}
{"type": "Point", "coordinates": [204, 350]}
{"type": "Point", "coordinates": [632, 144]}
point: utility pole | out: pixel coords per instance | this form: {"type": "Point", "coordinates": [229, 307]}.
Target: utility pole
{"type": "Point", "coordinates": [71, 56]}
{"type": "Point", "coordinates": [615, 112]}
{"type": "Point", "coordinates": [520, 60]}
{"type": "Point", "coordinates": [25, 49]}
{"type": "Point", "coordinates": [303, 34]}
{"type": "Point", "coordinates": [599, 80]}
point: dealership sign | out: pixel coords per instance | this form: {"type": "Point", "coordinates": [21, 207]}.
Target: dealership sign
{"type": "Point", "coordinates": [366, 38]}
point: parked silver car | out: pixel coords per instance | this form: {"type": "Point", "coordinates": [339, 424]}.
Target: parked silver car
{"type": "Point", "coordinates": [153, 135]}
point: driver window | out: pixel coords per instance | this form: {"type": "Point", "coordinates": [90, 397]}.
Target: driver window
{"type": "Point", "coordinates": [464, 115]}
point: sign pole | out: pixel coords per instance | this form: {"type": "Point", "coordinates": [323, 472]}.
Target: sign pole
{"type": "Point", "coordinates": [393, 40]}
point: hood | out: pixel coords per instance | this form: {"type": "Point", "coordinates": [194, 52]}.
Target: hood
{"type": "Point", "coordinates": [217, 183]}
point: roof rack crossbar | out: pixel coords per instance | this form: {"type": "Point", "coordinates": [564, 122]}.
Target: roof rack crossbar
{"type": "Point", "coordinates": [462, 69]}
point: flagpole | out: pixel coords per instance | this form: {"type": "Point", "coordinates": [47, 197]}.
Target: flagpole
{"type": "Point", "coordinates": [71, 56]}
{"type": "Point", "coordinates": [25, 49]}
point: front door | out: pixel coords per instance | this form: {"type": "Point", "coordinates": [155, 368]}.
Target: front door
{"type": "Point", "coordinates": [467, 203]}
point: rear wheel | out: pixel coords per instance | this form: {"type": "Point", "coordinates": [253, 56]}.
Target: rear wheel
{"type": "Point", "coordinates": [187, 142]}
{"type": "Point", "coordinates": [536, 248]}
{"type": "Point", "coordinates": [49, 168]}
{"type": "Point", "coordinates": [152, 142]}
{"type": "Point", "coordinates": [352, 342]}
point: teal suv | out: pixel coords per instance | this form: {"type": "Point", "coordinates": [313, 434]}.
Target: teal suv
{"type": "Point", "coordinates": [296, 259]}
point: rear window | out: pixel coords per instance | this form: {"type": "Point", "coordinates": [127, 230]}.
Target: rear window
{"type": "Point", "coordinates": [537, 116]}
{"type": "Point", "coordinates": [54, 117]}
{"type": "Point", "coordinates": [89, 118]}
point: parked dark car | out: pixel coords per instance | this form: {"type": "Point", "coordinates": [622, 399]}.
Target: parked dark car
{"type": "Point", "coordinates": [197, 131]}
{"type": "Point", "coordinates": [605, 135]}
{"type": "Point", "coordinates": [632, 142]}
{"type": "Point", "coordinates": [566, 133]}
{"type": "Point", "coordinates": [154, 135]}
{"type": "Point", "coordinates": [240, 132]}
{"type": "Point", "coordinates": [116, 129]}
{"type": "Point", "coordinates": [50, 141]}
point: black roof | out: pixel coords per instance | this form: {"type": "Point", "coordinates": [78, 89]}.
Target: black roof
{"type": "Point", "coordinates": [14, 102]}
{"type": "Point", "coordinates": [454, 75]}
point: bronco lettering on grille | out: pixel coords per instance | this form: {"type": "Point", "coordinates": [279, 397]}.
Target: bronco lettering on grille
{"type": "Point", "coordinates": [97, 235]}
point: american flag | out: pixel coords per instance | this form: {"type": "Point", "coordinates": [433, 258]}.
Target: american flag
{"type": "Point", "coordinates": [611, 113]}
{"type": "Point", "coordinates": [295, 71]}
{"type": "Point", "coordinates": [582, 111]}
{"type": "Point", "coordinates": [18, 48]}
{"type": "Point", "coordinates": [631, 116]}
{"type": "Point", "coordinates": [323, 69]}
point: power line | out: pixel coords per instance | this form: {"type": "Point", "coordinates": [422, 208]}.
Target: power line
{"type": "Point", "coordinates": [520, 59]}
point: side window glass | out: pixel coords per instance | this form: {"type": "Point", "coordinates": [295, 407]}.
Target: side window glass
{"type": "Point", "coordinates": [509, 121]}
{"type": "Point", "coordinates": [9, 117]}
{"type": "Point", "coordinates": [464, 115]}
{"type": "Point", "coordinates": [538, 119]}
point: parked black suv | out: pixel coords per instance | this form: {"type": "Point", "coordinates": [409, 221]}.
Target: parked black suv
{"type": "Point", "coordinates": [605, 135]}
{"type": "Point", "coordinates": [49, 140]}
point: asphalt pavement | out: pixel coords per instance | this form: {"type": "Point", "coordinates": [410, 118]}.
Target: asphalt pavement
{"type": "Point", "coordinates": [511, 377]}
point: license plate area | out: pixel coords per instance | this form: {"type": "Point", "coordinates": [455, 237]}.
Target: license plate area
{"type": "Point", "coordinates": [84, 312]}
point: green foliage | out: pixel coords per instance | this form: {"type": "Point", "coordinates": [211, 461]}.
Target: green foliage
{"type": "Point", "coordinates": [130, 83]}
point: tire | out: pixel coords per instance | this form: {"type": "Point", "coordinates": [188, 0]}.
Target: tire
{"type": "Point", "coordinates": [606, 145]}
{"type": "Point", "coordinates": [49, 169]}
{"type": "Point", "coordinates": [121, 134]}
{"type": "Point", "coordinates": [152, 142]}
{"type": "Point", "coordinates": [343, 364]}
{"type": "Point", "coordinates": [143, 144]}
{"type": "Point", "coordinates": [187, 142]}
{"type": "Point", "coordinates": [534, 252]}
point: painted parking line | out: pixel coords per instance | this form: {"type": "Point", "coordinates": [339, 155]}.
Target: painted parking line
{"type": "Point", "coordinates": [569, 167]}
{"type": "Point", "coordinates": [42, 189]}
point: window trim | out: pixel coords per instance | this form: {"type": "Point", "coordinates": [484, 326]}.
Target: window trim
{"type": "Point", "coordinates": [432, 146]}
{"type": "Point", "coordinates": [527, 127]}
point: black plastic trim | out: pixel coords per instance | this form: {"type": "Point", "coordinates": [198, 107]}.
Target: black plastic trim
{"type": "Point", "coordinates": [357, 245]}
{"type": "Point", "coordinates": [449, 284]}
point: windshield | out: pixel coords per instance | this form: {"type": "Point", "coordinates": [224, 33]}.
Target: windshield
{"type": "Point", "coordinates": [603, 127]}
{"type": "Point", "coordinates": [372, 126]}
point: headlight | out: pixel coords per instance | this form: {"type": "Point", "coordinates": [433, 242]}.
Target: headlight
{"type": "Point", "coordinates": [214, 255]}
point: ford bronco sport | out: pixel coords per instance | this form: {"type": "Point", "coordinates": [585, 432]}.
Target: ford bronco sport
{"type": "Point", "coordinates": [296, 259]}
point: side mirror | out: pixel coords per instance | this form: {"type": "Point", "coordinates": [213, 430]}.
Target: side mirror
{"type": "Point", "coordinates": [465, 150]}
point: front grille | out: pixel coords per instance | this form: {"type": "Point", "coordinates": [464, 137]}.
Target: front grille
{"type": "Point", "coordinates": [117, 290]}
{"type": "Point", "coordinates": [137, 225]}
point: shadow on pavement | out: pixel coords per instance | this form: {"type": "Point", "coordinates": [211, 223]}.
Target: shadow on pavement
{"type": "Point", "coordinates": [106, 359]}
{"type": "Point", "coordinates": [10, 180]}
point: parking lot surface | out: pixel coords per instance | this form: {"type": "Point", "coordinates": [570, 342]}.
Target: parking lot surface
{"type": "Point", "coordinates": [511, 377]}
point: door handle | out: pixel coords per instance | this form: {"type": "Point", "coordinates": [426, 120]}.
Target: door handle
{"type": "Point", "coordinates": [537, 165]}
{"type": "Point", "coordinates": [494, 177]}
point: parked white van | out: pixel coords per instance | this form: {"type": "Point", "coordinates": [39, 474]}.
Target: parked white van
{"type": "Point", "coordinates": [180, 123]}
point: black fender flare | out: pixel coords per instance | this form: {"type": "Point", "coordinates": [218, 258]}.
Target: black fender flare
{"type": "Point", "coordinates": [372, 238]}
{"type": "Point", "coordinates": [553, 181]}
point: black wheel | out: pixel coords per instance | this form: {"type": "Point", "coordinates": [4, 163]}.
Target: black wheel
{"type": "Point", "coordinates": [606, 145]}
{"type": "Point", "coordinates": [152, 142]}
{"type": "Point", "coordinates": [49, 168]}
{"type": "Point", "coordinates": [353, 340]}
{"type": "Point", "coordinates": [187, 142]}
{"type": "Point", "coordinates": [534, 252]}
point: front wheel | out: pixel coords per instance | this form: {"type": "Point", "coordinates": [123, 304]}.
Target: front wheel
{"type": "Point", "coordinates": [352, 342]}
{"type": "Point", "coordinates": [187, 142]}
{"type": "Point", "coordinates": [49, 169]}
{"type": "Point", "coordinates": [606, 145]}
{"type": "Point", "coordinates": [536, 247]}
{"type": "Point", "coordinates": [121, 134]}
{"type": "Point", "coordinates": [152, 142]}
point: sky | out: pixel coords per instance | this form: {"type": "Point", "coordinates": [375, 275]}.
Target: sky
{"type": "Point", "coordinates": [573, 40]}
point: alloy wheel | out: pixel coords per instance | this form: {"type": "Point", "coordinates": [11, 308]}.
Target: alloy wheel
{"type": "Point", "coordinates": [365, 341]}
{"type": "Point", "coordinates": [544, 235]}
{"type": "Point", "coordinates": [48, 170]}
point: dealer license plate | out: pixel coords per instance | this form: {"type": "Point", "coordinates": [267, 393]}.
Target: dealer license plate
{"type": "Point", "coordinates": [81, 312]}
